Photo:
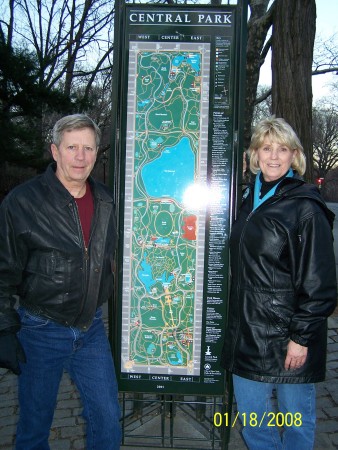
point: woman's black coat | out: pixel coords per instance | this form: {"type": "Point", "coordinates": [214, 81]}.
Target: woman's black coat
{"type": "Point", "coordinates": [283, 284]}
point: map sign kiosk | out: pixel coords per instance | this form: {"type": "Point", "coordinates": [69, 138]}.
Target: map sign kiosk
{"type": "Point", "coordinates": [178, 95]}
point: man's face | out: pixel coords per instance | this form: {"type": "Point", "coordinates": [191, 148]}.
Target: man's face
{"type": "Point", "coordinates": [75, 156]}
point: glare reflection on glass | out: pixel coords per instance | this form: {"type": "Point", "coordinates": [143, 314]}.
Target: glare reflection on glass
{"type": "Point", "coordinates": [199, 196]}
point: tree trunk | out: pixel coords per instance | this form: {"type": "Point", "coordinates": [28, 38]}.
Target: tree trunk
{"type": "Point", "coordinates": [294, 28]}
{"type": "Point", "coordinates": [258, 25]}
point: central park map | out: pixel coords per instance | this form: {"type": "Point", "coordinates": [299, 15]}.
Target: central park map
{"type": "Point", "coordinates": [165, 207]}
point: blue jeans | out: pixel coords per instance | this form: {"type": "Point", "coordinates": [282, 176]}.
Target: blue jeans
{"type": "Point", "coordinates": [254, 397]}
{"type": "Point", "coordinates": [50, 348]}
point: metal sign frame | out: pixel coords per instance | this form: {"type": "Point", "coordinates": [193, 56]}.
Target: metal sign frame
{"type": "Point", "coordinates": [203, 44]}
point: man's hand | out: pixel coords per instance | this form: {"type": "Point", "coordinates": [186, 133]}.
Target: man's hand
{"type": "Point", "coordinates": [11, 352]}
{"type": "Point", "coordinates": [295, 356]}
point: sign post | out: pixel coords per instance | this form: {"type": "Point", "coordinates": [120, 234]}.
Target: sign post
{"type": "Point", "coordinates": [178, 96]}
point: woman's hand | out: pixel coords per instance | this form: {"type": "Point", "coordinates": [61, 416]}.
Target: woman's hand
{"type": "Point", "coordinates": [295, 356]}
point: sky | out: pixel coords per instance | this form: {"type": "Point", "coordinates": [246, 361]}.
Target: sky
{"type": "Point", "coordinates": [326, 26]}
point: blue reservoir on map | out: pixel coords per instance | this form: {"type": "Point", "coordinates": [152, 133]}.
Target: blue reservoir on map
{"type": "Point", "coordinates": [170, 174]}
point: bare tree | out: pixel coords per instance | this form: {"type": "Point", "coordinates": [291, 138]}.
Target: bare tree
{"type": "Point", "coordinates": [325, 58]}
{"type": "Point", "coordinates": [258, 46]}
{"type": "Point", "coordinates": [71, 39]}
{"type": "Point", "coordinates": [291, 24]}
{"type": "Point", "coordinates": [325, 140]}
{"type": "Point", "coordinates": [263, 106]}
{"type": "Point", "coordinates": [67, 49]}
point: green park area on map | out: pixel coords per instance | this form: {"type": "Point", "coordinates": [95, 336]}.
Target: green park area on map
{"type": "Point", "coordinates": [164, 228]}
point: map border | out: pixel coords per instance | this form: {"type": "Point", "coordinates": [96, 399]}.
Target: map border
{"type": "Point", "coordinates": [134, 48]}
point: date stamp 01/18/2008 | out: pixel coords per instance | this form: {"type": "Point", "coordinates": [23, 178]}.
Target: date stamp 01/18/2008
{"type": "Point", "coordinates": [268, 419]}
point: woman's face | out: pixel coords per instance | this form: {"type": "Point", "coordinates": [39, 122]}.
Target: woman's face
{"type": "Point", "coordinates": [274, 159]}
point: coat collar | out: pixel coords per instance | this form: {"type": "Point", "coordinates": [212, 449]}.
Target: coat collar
{"type": "Point", "coordinates": [295, 187]}
{"type": "Point", "coordinates": [62, 195]}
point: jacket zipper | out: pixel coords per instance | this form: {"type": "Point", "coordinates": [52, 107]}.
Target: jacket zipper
{"type": "Point", "coordinates": [86, 253]}
{"type": "Point", "coordinates": [85, 248]}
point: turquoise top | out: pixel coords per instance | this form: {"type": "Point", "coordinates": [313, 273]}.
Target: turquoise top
{"type": "Point", "coordinates": [258, 185]}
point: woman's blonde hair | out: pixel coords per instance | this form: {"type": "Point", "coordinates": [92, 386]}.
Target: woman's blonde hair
{"type": "Point", "coordinates": [279, 131]}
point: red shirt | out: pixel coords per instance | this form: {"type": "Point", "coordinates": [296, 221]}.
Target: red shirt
{"type": "Point", "coordinates": [85, 207]}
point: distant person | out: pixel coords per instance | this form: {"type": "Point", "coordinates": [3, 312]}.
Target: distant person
{"type": "Point", "coordinates": [283, 288]}
{"type": "Point", "coordinates": [58, 239]}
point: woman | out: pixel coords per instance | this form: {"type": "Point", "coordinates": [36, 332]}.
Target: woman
{"type": "Point", "coordinates": [283, 289]}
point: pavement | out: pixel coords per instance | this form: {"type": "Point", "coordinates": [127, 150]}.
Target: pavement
{"type": "Point", "coordinates": [181, 427]}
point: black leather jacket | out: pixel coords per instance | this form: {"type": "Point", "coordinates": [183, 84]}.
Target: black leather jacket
{"type": "Point", "coordinates": [42, 253]}
{"type": "Point", "coordinates": [283, 284]}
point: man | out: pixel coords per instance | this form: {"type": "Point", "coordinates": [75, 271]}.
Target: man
{"type": "Point", "coordinates": [58, 238]}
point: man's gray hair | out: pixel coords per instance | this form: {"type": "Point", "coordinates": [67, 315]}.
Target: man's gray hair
{"type": "Point", "coordinates": [74, 122]}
